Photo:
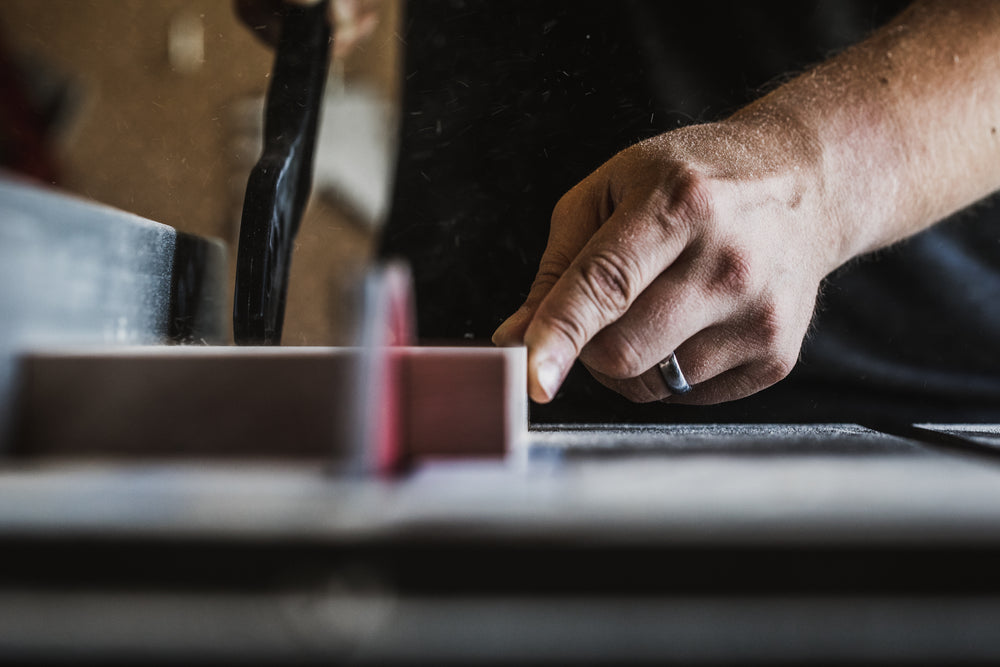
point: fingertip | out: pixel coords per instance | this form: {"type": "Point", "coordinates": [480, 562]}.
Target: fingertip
{"type": "Point", "coordinates": [537, 396]}
{"type": "Point", "coordinates": [548, 378]}
{"type": "Point", "coordinates": [506, 337]}
{"type": "Point", "coordinates": [546, 373]}
{"type": "Point", "coordinates": [511, 332]}
{"type": "Point", "coordinates": [502, 337]}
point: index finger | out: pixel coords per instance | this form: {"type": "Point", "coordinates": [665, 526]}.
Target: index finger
{"type": "Point", "coordinates": [636, 244]}
{"type": "Point", "coordinates": [575, 218]}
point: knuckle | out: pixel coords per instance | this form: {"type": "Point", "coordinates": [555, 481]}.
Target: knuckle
{"type": "Point", "coordinates": [542, 284]}
{"type": "Point", "coordinates": [768, 325]}
{"type": "Point", "coordinates": [567, 325]}
{"type": "Point", "coordinates": [613, 353]}
{"type": "Point", "coordinates": [674, 228]}
{"type": "Point", "coordinates": [550, 269]}
{"type": "Point", "coordinates": [772, 334]}
{"type": "Point", "coordinates": [564, 207]}
{"type": "Point", "coordinates": [570, 203]}
{"type": "Point", "coordinates": [734, 273]}
{"type": "Point", "coordinates": [652, 390]}
{"type": "Point", "coordinates": [609, 281]}
{"type": "Point", "coordinates": [775, 369]}
{"type": "Point", "coordinates": [692, 196]}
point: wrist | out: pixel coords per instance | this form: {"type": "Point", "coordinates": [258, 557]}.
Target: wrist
{"type": "Point", "coordinates": [853, 164]}
{"type": "Point", "coordinates": [792, 161]}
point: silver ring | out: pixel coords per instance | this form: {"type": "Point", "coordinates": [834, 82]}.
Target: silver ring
{"type": "Point", "coordinates": [672, 376]}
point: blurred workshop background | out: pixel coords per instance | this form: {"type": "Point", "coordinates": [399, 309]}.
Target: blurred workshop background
{"type": "Point", "coordinates": [155, 108]}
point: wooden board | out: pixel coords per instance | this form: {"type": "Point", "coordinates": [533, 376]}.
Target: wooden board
{"type": "Point", "coordinates": [263, 402]}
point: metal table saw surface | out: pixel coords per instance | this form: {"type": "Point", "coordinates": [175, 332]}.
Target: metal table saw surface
{"type": "Point", "coordinates": [600, 544]}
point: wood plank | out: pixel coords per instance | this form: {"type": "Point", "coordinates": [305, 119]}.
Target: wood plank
{"type": "Point", "coordinates": [287, 402]}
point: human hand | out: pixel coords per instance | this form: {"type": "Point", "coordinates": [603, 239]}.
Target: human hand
{"type": "Point", "coordinates": [710, 241]}
{"type": "Point", "coordinates": [354, 21]}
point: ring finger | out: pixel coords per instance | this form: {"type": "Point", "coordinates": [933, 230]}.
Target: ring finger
{"type": "Point", "coordinates": [709, 353]}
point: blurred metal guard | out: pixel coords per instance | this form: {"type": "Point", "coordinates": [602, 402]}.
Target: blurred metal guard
{"type": "Point", "coordinates": [279, 185]}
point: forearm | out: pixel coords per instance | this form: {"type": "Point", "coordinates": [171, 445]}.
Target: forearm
{"type": "Point", "coordinates": [903, 127]}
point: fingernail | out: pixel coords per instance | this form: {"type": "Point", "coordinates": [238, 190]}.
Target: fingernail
{"type": "Point", "coordinates": [549, 377]}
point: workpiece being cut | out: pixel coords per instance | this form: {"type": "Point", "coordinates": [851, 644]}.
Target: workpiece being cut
{"type": "Point", "coordinates": [268, 402]}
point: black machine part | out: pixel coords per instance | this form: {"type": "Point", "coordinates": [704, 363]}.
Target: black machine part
{"type": "Point", "coordinates": [279, 185]}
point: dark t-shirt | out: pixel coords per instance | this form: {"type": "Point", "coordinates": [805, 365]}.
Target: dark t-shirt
{"type": "Point", "coordinates": [509, 104]}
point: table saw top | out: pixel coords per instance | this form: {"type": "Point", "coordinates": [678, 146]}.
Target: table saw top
{"type": "Point", "coordinates": [664, 483]}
